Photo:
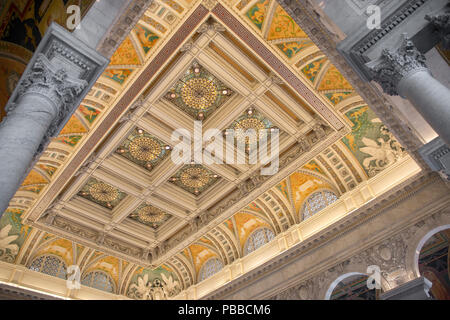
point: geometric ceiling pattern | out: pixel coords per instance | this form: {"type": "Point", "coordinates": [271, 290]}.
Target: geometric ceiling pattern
{"type": "Point", "coordinates": [129, 189]}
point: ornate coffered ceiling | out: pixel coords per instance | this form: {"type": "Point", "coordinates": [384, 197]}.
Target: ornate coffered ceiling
{"type": "Point", "coordinates": [108, 184]}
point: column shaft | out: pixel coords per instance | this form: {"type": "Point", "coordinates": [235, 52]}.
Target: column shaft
{"type": "Point", "coordinates": [21, 133]}
{"type": "Point", "coordinates": [431, 99]}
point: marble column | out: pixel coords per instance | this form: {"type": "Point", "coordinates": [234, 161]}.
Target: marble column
{"type": "Point", "coordinates": [44, 96]}
{"type": "Point", "coordinates": [404, 72]}
{"type": "Point", "coordinates": [57, 78]}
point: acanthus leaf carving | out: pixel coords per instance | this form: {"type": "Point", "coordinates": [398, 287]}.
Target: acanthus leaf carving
{"type": "Point", "coordinates": [394, 66]}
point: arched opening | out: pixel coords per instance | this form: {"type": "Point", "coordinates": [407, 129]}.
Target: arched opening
{"type": "Point", "coordinates": [99, 280]}
{"type": "Point", "coordinates": [51, 265]}
{"type": "Point", "coordinates": [211, 267]}
{"type": "Point", "coordinates": [316, 202]}
{"type": "Point", "coordinates": [257, 239]}
{"type": "Point", "coordinates": [432, 259]}
{"type": "Point", "coordinates": [351, 286]}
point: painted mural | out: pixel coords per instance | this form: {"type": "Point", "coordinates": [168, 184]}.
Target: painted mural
{"type": "Point", "coordinates": [12, 234]}
{"type": "Point", "coordinates": [302, 185]}
{"type": "Point", "coordinates": [246, 224]}
{"type": "Point", "coordinates": [284, 27]}
{"type": "Point", "coordinates": [371, 143]}
{"type": "Point", "coordinates": [257, 13]}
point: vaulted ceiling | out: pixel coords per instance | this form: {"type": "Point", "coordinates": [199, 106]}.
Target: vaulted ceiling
{"type": "Point", "coordinates": [105, 194]}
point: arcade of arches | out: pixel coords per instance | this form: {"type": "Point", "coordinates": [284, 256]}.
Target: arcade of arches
{"type": "Point", "coordinates": [359, 206]}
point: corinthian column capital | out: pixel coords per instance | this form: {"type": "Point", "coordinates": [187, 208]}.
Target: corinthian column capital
{"type": "Point", "coordinates": [395, 65]}
{"type": "Point", "coordinates": [51, 82]}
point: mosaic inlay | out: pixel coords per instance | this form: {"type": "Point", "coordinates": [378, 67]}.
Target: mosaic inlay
{"type": "Point", "coordinates": [198, 92]}
{"type": "Point", "coordinates": [150, 216]}
{"type": "Point", "coordinates": [102, 193]}
{"type": "Point", "coordinates": [194, 178]}
{"type": "Point", "coordinates": [144, 149]}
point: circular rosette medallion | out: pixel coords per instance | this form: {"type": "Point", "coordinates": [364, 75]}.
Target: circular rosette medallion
{"type": "Point", "coordinates": [103, 192]}
{"type": "Point", "coordinates": [150, 214]}
{"type": "Point", "coordinates": [243, 125]}
{"type": "Point", "coordinates": [195, 177]}
{"type": "Point", "coordinates": [145, 149]}
{"type": "Point", "coordinates": [199, 93]}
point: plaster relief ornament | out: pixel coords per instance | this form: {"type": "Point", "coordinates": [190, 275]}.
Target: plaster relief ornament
{"type": "Point", "coordinates": [156, 290]}
{"type": "Point", "coordinates": [442, 26]}
{"type": "Point", "coordinates": [383, 152]}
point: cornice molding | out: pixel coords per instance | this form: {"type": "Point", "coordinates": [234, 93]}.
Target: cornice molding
{"type": "Point", "coordinates": [354, 220]}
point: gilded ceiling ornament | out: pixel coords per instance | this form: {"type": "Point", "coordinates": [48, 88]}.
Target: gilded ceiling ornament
{"type": "Point", "coordinates": [194, 178]}
{"type": "Point", "coordinates": [199, 93]}
{"type": "Point", "coordinates": [103, 192]}
{"type": "Point", "coordinates": [251, 120]}
{"type": "Point", "coordinates": [145, 149]}
{"type": "Point", "coordinates": [248, 124]}
{"type": "Point", "coordinates": [150, 214]}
